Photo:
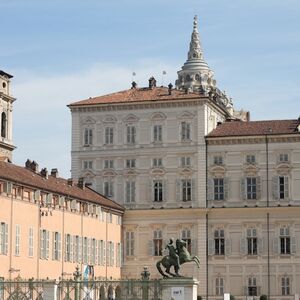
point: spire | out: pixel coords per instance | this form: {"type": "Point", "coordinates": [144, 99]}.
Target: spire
{"type": "Point", "coordinates": [195, 74]}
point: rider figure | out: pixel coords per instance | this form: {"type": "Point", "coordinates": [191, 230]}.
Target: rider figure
{"type": "Point", "coordinates": [173, 253]}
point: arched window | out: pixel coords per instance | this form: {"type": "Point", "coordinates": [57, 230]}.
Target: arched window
{"type": "Point", "coordinates": [3, 125]}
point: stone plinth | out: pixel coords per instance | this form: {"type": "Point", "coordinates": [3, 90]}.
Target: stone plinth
{"type": "Point", "coordinates": [182, 288]}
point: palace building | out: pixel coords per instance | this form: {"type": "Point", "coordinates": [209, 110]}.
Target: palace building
{"type": "Point", "coordinates": [185, 163]}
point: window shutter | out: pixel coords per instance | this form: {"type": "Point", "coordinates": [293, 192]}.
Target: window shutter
{"type": "Point", "coordinates": [276, 245]}
{"type": "Point", "coordinates": [49, 199]}
{"type": "Point", "coordinates": [47, 244]}
{"type": "Point", "coordinates": [104, 253]}
{"type": "Point", "coordinates": [96, 253]}
{"type": "Point", "coordinates": [6, 239]}
{"type": "Point", "coordinates": [59, 246]}
{"type": "Point", "coordinates": [53, 245]}
{"type": "Point", "coordinates": [71, 248]}
{"type": "Point", "coordinates": [75, 253]}
{"type": "Point", "coordinates": [228, 247]}
{"type": "Point", "coordinates": [112, 253]}
{"type": "Point", "coordinates": [211, 245]}
{"type": "Point", "coordinates": [151, 248]}
{"type": "Point", "coordinates": [258, 188]}
{"type": "Point", "coordinates": [260, 246]}
{"type": "Point", "coordinates": [151, 190]}
{"type": "Point", "coordinates": [194, 247]}
{"type": "Point", "coordinates": [210, 189]}
{"type": "Point", "coordinates": [65, 248]}
{"type": "Point", "coordinates": [80, 249]}
{"type": "Point", "coordinates": [37, 195]}
{"type": "Point", "coordinates": [193, 183]}
{"type": "Point", "coordinates": [41, 244]}
{"type": "Point", "coordinates": [178, 190]}
{"type": "Point", "coordinates": [243, 189]}
{"type": "Point", "coordinates": [275, 187]}
{"type": "Point", "coordinates": [61, 201]}
{"type": "Point", "coordinates": [293, 245]}
{"type": "Point", "coordinates": [226, 188]}
{"type": "Point", "coordinates": [243, 246]}
{"type": "Point", "coordinates": [245, 291]}
{"type": "Point", "coordinates": [88, 250]}
{"type": "Point", "coordinates": [286, 187]}
{"type": "Point", "coordinates": [165, 190]}
{"type": "Point", "coordinates": [7, 187]}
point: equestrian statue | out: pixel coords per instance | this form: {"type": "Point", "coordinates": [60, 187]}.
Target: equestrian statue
{"type": "Point", "coordinates": [177, 256]}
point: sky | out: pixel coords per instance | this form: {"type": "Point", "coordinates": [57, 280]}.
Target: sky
{"type": "Point", "coordinates": [61, 51]}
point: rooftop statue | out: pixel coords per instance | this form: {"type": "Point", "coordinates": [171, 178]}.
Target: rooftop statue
{"type": "Point", "coordinates": [177, 256]}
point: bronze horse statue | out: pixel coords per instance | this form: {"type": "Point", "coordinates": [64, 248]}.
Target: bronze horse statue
{"type": "Point", "coordinates": [169, 261]}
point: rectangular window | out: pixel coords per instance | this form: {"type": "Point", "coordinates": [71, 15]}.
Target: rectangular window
{"type": "Point", "coordinates": [283, 157]}
{"type": "Point", "coordinates": [252, 288]}
{"type": "Point", "coordinates": [285, 241]}
{"type": "Point", "coordinates": [108, 164]}
{"type": "Point", "coordinates": [219, 189]}
{"type": "Point", "coordinates": [130, 192]}
{"type": "Point", "coordinates": [109, 135]}
{"type": "Point", "coordinates": [4, 238]}
{"type": "Point", "coordinates": [131, 134]}
{"type": "Point", "coordinates": [219, 242]}
{"type": "Point", "coordinates": [67, 247]}
{"type": "Point", "coordinates": [108, 188]}
{"type": "Point", "coordinates": [109, 217]}
{"type": "Point", "coordinates": [250, 159]}
{"type": "Point", "coordinates": [56, 245]}
{"type": "Point", "coordinates": [157, 162]}
{"type": "Point", "coordinates": [93, 252]}
{"type": "Point", "coordinates": [219, 286]}
{"type": "Point", "coordinates": [185, 161]}
{"type": "Point", "coordinates": [283, 187]}
{"type": "Point", "coordinates": [85, 250]}
{"type": "Point", "coordinates": [118, 255]}
{"type": "Point", "coordinates": [88, 136]}
{"type": "Point", "coordinates": [101, 253]}
{"type": "Point", "coordinates": [17, 240]}
{"type": "Point", "coordinates": [186, 236]}
{"type": "Point", "coordinates": [251, 188]}
{"type": "Point", "coordinates": [251, 241]}
{"type": "Point", "coordinates": [130, 243]}
{"type": "Point", "coordinates": [44, 244]}
{"type": "Point", "coordinates": [158, 190]}
{"type": "Point", "coordinates": [30, 242]}
{"type": "Point", "coordinates": [186, 185]}
{"type": "Point", "coordinates": [157, 133]}
{"type": "Point", "coordinates": [130, 163]}
{"type": "Point", "coordinates": [76, 250]}
{"type": "Point", "coordinates": [285, 286]}
{"type": "Point", "coordinates": [218, 160]}
{"type": "Point", "coordinates": [185, 131]}
{"type": "Point", "coordinates": [87, 164]}
{"type": "Point", "coordinates": [157, 242]}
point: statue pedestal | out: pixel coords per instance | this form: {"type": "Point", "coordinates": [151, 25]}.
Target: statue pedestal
{"type": "Point", "coordinates": [179, 288]}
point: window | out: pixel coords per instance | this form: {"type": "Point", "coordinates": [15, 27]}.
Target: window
{"type": "Point", "coordinates": [158, 190]}
{"type": "Point", "coordinates": [251, 241]}
{"type": "Point", "coordinates": [93, 253]}
{"type": "Point", "coordinates": [3, 125]}
{"type": "Point", "coordinates": [108, 164]}
{"type": "Point", "coordinates": [85, 250]}
{"type": "Point", "coordinates": [219, 242]}
{"type": "Point", "coordinates": [157, 162]}
{"type": "Point", "coordinates": [110, 253]}
{"type": "Point", "coordinates": [56, 246]}
{"type": "Point", "coordinates": [88, 136]}
{"type": "Point", "coordinates": [4, 238]}
{"type": "Point", "coordinates": [101, 253]}
{"type": "Point", "coordinates": [109, 217]}
{"type": "Point", "coordinates": [44, 244]}
{"type": "Point", "coordinates": [186, 185]}
{"type": "Point", "coordinates": [131, 134]}
{"type": "Point", "coordinates": [17, 240]}
{"type": "Point", "coordinates": [219, 286]}
{"type": "Point", "coordinates": [218, 160]}
{"type": "Point", "coordinates": [109, 135]}
{"type": "Point", "coordinates": [157, 242]}
{"type": "Point", "coordinates": [30, 242]}
{"type": "Point", "coordinates": [252, 288]}
{"type": "Point", "coordinates": [130, 192]}
{"type": "Point", "coordinates": [185, 161]}
{"type": "Point", "coordinates": [68, 247]}
{"type": "Point", "coordinates": [283, 157]}
{"type": "Point", "coordinates": [108, 188]}
{"type": "Point", "coordinates": [251, 188]}
{"type": "Point", "coordinates": [118, 255]}
{"type": "Point", "coordinates": [250, 159]}
{"type": "Point", "coordinates": [185, 131]}
{"type": "Point", "coordinates": [219, 189]}
{"type": "Point", "coordinates": [77, 249]}
{"type": "Point", "coordinates": [129, 243]}
{"type": "Point", "coordinates": [130, 163]}
{"type": "Point", "coordinates": [283, 187]}
{"type": "Point", "coordinates": [186, 236]}
{"type": "Point", "coordinates": [285, 240]}
{"type": "Point", "coordinates": [87, 164]}
{"type": "Point", "coordinates": [157, 133]}
{"type": "Point", "coordinates": [285, 286]}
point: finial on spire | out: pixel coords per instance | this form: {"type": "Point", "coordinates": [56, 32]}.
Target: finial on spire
{"type": "Point", "coordinates": [195, 22]}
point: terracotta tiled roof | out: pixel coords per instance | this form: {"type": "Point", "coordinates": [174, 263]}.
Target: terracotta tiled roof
{"type": "Point", "coordinates": [138, 95]}
{"type": "Point", "coordinates": [239, 128]}
{"type": "Point", "coordinates": [60, 186]}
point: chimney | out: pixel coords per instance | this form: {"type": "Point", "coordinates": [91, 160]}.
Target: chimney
{"type": "Point", "coordinates": [34, 166]}
{"type": "Point", "coordinates": [44, 173]}
{"type": "Point", "coordinates": [133, 85]}
{"type": "Point", "coordinates": [81, 183]}
{"type": "Point", "coordinates": [54, 173]}
{"type": "Point", "coordinates": [170, 86]}
{"type": "Point", "coordinates": [70, 182]}
{"type": "Point", "coordinates": [152, 83]}
{"type": "Point", "coordinates": [28, 164]}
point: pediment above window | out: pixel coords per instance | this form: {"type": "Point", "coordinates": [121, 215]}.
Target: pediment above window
{"type": "Point", "coordinates": [89, 120]}
{"type": "Point", "coordinates": [130, 172]}
{"type": "Point", "coordinates": [186, 171]}
{"type": "Point", "coordinates": [185, 115]}
{"type": "Point", "coordinates": [131, 119]}
{"type": "Point", "coordinates": [283, 169]}
{"type": "Point", "coordinates": [251, 170]}
{"type": "Point", "coordinates": [217, 171]}
{"type": "Point", "coordinates": [158, 116]}
{"type": "Point", "coordinates": [157, 171]}
{"type": "Point", "coordinates": [88, 174]}
{"type": "Point", "coordinates": [110, 119]}
{"type": "Point", "coordinates": [109, 173]}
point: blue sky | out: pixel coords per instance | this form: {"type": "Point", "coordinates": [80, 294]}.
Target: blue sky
{"type": "Point", "coordinates": [63, 51]}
